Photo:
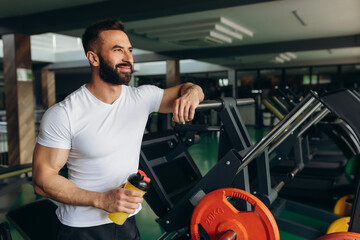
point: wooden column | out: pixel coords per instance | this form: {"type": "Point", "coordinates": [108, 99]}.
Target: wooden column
{"type": "Point", "coordinates": [19, 97]}
{"type": "Point", "coordinates": [172, 73]}
{"type": "Point", "coordinates": [48, 88]}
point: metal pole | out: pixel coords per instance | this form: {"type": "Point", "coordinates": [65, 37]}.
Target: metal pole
{"type": "Point", "coordinates": [244, 101]}
{"type": "Point", "coordinates": [294, 126]}
{"type": "Point", "coordinates": [279, 128]}
{"type": "Point", "coordinates": [316, 119]}
{"type": "Point", "coordinates": [218, 104]}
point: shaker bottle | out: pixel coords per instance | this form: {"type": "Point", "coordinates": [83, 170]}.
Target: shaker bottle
{"type": "Point", "coordinates": [137, 181]}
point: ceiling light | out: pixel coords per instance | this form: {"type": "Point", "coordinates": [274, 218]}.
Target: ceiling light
{"type": "Point", "coordinates": [280, 60]}
{"type": "Point", "coordinates": [220, 36]}
{"type": "Point", "coordinates": [53, 41]}
{"type": "Point", "coordinates": [236, 26]}
{"type": "Point", "coordinates": [79, 42]}
{"type": "Point", "coordinates": [292, 55]}
{"type": "Point", "coordinates": [228, 32]}
{"type": "Point", "coordinates": [184, 36]}
{"type": "Point", "coordinates": [177, 25]}
{"type": "Point", "coordinates": [283, 56]}
{"type": "Point", "coordinates": [177, 32]}
{"type": "Point", "coordinates": [211, 34]}
{"type": "Point", "coordinates": [199, 42]}
{"type": "Point", "coordinates": [220, 28]}
{"type": "Point", "coordinates": [213, 40]}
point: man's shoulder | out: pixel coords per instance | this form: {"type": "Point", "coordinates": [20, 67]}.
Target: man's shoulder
{"type": "Point", "coordinates": [144, 92]}
{"type": "Point", "coordinates": [144, 89]}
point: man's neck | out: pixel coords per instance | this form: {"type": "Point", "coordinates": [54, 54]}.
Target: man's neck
{"type": "Point", "coordinates": [105, 92]}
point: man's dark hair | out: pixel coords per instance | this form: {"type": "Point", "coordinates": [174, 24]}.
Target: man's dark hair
{"type": "Point", "coordinates": [91, 34]}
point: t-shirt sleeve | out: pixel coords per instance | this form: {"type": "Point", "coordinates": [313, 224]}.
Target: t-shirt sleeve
{"type": "Point", "coordinates": [55, 129]}
{"type": "Point", "coordinates": [152, 95]}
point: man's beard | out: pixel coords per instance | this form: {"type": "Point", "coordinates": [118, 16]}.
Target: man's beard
{"type": "Point", "coordinates": [111, 75]}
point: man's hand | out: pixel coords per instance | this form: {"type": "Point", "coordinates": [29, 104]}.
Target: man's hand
{"type": "Point", "coordinates": [121, 200]}
{"type": "Point", "coordinates": [184, 107]}
{"type": "Point", "coordinates": [182, 101]}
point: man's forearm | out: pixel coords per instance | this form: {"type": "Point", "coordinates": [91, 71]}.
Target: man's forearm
{"type": "Point", "coordinates": [63, 190]}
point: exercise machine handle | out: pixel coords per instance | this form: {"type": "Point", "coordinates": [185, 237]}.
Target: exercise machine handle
{"type": "Point", "coordinates": [218, 104]}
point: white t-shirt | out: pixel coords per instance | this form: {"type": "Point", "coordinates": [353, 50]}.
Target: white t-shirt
{"type": "Point", "coordinates": [104, 142]}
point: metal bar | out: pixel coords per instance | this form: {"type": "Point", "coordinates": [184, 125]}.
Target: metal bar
{"type": "Point", "coordinates": [293, 127]}
{"type": "Point", "coordinates": [15, 173]}
{"type": "Point", "coordinates": [316, 119]}
{"type": "Point", "coordinates": [292, 93]}
{"type": "Point", "coordinates": [279, 128]}
{"type": "Point", "coordinates": [293, 173]}
{"type": "Point", "coordinates": [210, 104]}
{"type": "Point", "coordinates": [279, 186]}
{"type": "Point", "coordinates": [228, 235]}
{"type": "Point", "coordinates": [244, 101]}
{"type": "Point", "coordinates": [163, 236]}
{"type": "Point", "coordinates": [218, 104]}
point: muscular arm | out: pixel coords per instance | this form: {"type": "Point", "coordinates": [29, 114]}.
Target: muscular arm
{"type": "Point", "coordinates": [47, 162]}
{"type": "Point", "coordinates": [182, 101]}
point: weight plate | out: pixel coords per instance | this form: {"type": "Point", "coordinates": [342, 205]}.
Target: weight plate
{"type": "Point", "coordinates": [216, 215]}
{"type": "Point", "coordinates": [339, 225]}
{"type": "Point", "coordinates": [343, 205]}
{"type": "Point", "coordinates": [341, 236]}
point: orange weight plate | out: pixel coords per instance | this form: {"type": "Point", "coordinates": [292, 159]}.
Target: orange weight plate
{"type": "Point", "coordinates": [217, 215]}
{"type": "Point", "coordinates": [341, 236]}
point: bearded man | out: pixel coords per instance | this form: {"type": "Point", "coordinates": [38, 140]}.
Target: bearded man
{"type": "Point", "coordinates": [97, 131]}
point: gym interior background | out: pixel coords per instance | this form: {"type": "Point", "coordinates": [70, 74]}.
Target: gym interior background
{"type": "Point", "coordinates": [274, 52]}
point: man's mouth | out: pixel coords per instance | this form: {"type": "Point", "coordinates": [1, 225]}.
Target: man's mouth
{"type": "Point", "coordinates": [124, 67]}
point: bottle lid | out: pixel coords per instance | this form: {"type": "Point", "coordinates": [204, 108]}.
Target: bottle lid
{"type": "Point", "coordinates": [140, 180]}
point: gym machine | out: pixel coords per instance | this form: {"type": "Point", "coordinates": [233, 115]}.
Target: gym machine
{"type": "Point", "coordinates": [349, 110]}
{"type": "Point", "coordinates": [325, 175]}
{"type": "Point", "coordinates": [176, 215]}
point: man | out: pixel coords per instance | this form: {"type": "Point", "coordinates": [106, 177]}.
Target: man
{"type": "Point", "coordinates": [97, 130]}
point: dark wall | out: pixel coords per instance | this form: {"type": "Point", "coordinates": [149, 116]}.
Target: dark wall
{"type": "Point", "coordinates": [66, 83]}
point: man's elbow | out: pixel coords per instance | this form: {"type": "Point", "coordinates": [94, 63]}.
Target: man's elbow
{"type": "Point", "coordinates": [37, 189]}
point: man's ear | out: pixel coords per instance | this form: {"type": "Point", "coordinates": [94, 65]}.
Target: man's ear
{"type": "Point", "coordinates": [93, 58]}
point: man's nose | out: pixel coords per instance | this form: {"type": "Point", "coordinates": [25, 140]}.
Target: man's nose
{"type": "Point", "coordinates": [128, 57]}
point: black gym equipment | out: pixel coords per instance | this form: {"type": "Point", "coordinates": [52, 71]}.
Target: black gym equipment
{"type": "Point", "coordinates": [5, 231]}
{"type": "Point", "coordinates": [234, 161]}
{"type": "Point", "coordinates": [323, 177]}
{"type": "Point", "coordinates": [29, 217]}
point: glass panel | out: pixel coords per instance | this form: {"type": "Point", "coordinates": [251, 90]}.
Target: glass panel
{"type": "Point", "coordinates": [245, 83]}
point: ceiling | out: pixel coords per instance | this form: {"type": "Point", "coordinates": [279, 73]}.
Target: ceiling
{"type": "Point", "coordinates": [307, 32]}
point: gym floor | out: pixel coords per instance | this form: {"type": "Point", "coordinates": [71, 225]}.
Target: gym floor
{"type": "Point", "coordinates": [205, 156]}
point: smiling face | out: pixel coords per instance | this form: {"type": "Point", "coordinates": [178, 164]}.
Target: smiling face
{"type": "Point", "coordinates": [115, 57]}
